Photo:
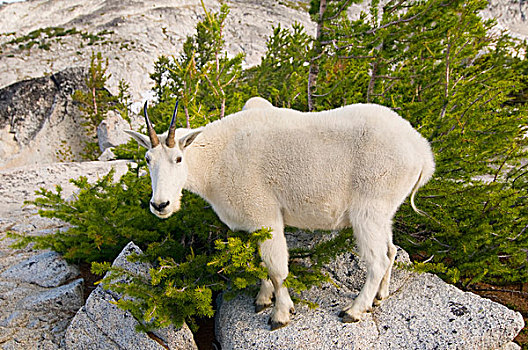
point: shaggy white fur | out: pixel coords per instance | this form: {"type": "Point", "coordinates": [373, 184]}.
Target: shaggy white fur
{"type": "Point", "coordinates": [270, 167]}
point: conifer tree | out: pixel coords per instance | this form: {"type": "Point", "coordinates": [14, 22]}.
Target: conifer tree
{"type": "Point", "coordinates": [201, 77]}
{"type": "Point", "coordinates": [282, 73]}
{"type": "Point", "coordinates": [96, 101]}
{"type": "Point", "coordinates": [453, 77]}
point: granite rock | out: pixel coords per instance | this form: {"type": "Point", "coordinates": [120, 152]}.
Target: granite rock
{"type": "Point", "coordinates": [110, 131]}
{"type": "Point", "coordinates": [422, 312]}
{"type": "Point", "coordinates": [46, 269]}
{"type": "Point", "coordinates": [100, 324]}
{"type": "Point", "coordinates": [68, 296]}
{"type": "Point", "coordinates": [39, 122]}
{"type": "Point", "coordinates": [34, 317]}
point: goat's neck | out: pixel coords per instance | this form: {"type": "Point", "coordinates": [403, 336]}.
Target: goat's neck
{"type": "Point", "coordinates": [201, 157]}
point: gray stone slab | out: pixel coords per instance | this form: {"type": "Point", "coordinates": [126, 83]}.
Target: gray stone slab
{"type": "Point", "coordinates": [238, 327]}
{"type": "Point", "coordinates": [83, 333]}
{"type": "Point", "coordinates": [430, 314]}
{"type": "Point", "coordinates": [46, 269]}
{"type": "Point", "coordinates": [66, 297]}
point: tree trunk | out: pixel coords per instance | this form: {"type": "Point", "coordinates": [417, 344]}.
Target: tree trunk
{"type": "Point", "coordinates": [317, 50]}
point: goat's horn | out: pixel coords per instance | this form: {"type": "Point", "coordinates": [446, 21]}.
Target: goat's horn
{"type": "Point", "coordinates": [171, 142]}
{"type": "Point", "coordinates": [152, 134]}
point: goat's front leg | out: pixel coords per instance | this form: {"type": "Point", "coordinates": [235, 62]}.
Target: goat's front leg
{"type": "Point", "coordinates": [274, 253]}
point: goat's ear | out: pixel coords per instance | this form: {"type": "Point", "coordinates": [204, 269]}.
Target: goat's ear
{"type": "Point", "coordinates": [142, 140]}
{"type": "Point", "coordinates": [188, 139]}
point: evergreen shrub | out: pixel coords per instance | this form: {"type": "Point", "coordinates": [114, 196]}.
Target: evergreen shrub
{"type": "Point", "coordinates": [460, 82]}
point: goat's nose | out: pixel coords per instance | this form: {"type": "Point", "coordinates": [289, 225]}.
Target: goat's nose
{"type": "Point", "coordinates": [161, 206]}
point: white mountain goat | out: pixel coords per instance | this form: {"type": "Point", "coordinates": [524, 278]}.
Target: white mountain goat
{"type": "Point", "coordinates": [269, 167]}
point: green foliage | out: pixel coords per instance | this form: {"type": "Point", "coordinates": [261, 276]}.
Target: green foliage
{"type": "Point", "coordinates": [129, 150]}
{"type": "Point", "coordinates": [281, 76]}
{"type": "Point", "coordinates": [202, 77]}
{"type": "Point", "coordinates": [64, 153]}
{"type": "Point", "coordinates": [104, 216]}
{"type": "Point", "coordinates": [124, 100]}
{"type": "Point", "coordinates": [93, 39]}
{"type": "Point", "coordinates": [450, 274]}
{"type": "Point", "coordinates": [181, 288]}
{"type": "Point", "coordinates": [460, 84]}
{"type": "Point", "coordinates": [42, 37]}
{"type": "Point", "coordinates": [96, 101]}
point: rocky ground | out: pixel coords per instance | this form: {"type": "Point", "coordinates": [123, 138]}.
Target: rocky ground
{"type": "Point", "coordinates": [422, 312]}
{"type": "Point", "coordinates": [39, 292]}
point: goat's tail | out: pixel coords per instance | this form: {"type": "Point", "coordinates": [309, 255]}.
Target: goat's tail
{"type": "Point", "coordinates": [425, 174]}
{"type": "Point", "coordinates": [417, 185]}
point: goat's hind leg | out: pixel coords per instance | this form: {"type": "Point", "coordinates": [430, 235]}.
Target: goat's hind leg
{"type": "Point", "coordinates": [263, 300]}
{"type": "Point", "coordinates": [372, 236]}
{"type": "Point", "coordinates": [383, 291]}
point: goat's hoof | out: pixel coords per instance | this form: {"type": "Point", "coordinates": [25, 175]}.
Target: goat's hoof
{"type": "Point", "coordinates": [276, 325]}
{"type": "Point", "coordinates": [377, 301]}
{"type": "Point", "coordinates": [349, 318]}
{"type": "Point", "coordinates": [292, 310]}
{"type": "Point", "coordinates": [261, 307]}
{"type": "Point", "coordinates": [342, 313]}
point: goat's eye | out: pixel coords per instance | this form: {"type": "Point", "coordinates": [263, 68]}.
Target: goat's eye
{"type": "Point", "coordinates": [178, 159]}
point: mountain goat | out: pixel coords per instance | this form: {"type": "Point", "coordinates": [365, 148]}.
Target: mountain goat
{"type": "Point", "coordinates": [270, 167]}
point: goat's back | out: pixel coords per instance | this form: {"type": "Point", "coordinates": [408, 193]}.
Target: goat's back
{"type": "Point", "coordinates": [315, 167]}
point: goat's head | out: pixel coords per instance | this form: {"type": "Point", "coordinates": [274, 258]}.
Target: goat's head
{"type": "Point", "coordinates": [167, 164]}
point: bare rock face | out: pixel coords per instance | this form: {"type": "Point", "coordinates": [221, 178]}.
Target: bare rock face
{"type": "Point", "coordinates": [511, 15]}
{"type": "Point", "coordinates": [100, 324]}
{"type": "Point", "coordinates": [39, 123]}
{"type": "Point", "coordinates": [132, 34]}
{"type": "Point", "coordinates": [422, 312]}
{"type": "Point", "coordinates": [36, 306]}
